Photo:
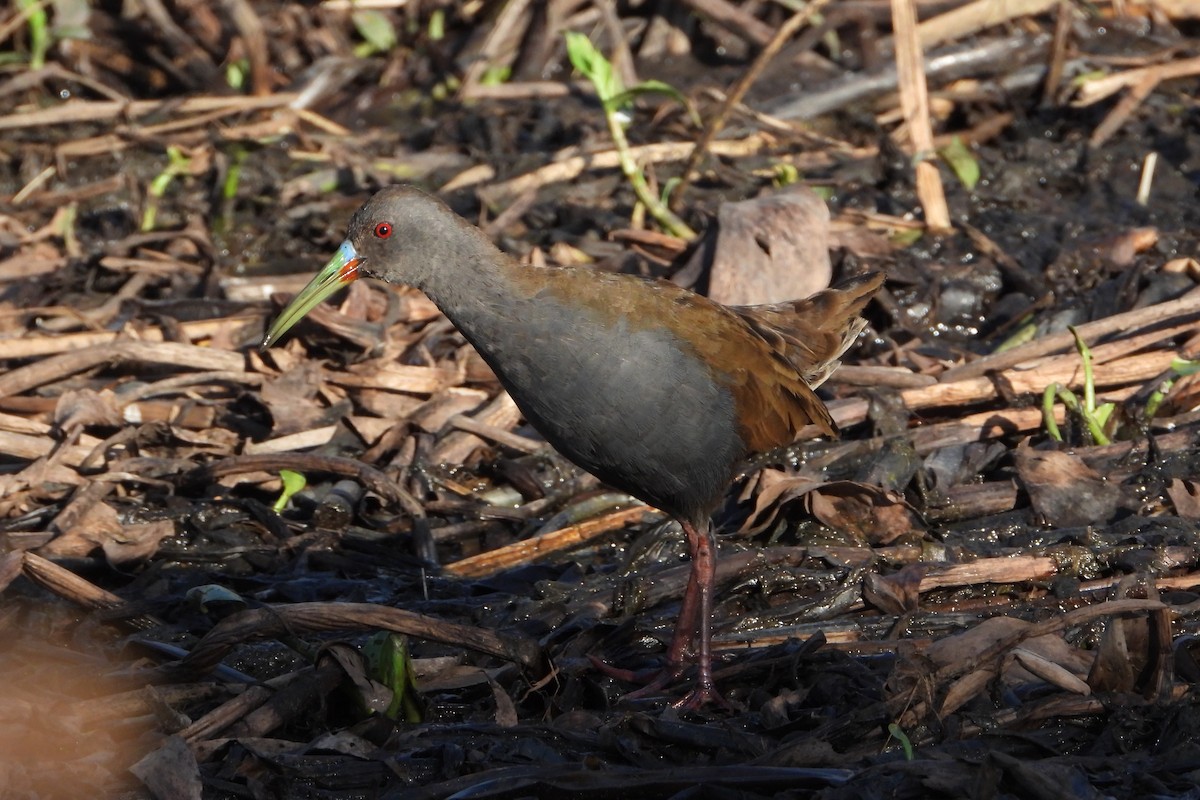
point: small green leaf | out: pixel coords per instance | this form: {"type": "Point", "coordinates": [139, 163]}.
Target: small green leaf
{"type": "Point", "coordinates": [656, 87]}
{"type": "Point", "coordinates": [785, 174]}
{"type": "Point", "coordinates": [375, 29]}
{"type": "Point", "coordinates": [39, 32]}
{"type": "Point", "coordinates": [1085, 77]}
{"type": "Point", "coordinates": [292, 482]}
{"type": "Point", "coordinates": [388, 662]}
{"type": "Point", "coordinates": [900, 736]}
{"type": "Point", "coordinates": [496, 75]}
{"type": "Point", "coordinates": [437, 25]}
{"type": "Point", "coordinates": [591, 64]}
{"type": "Point", "coordinates": [907, 236]}
{"type": "Point", "coordinates": [1182, 366]}
{"type": "Point", "coordinates": [1048, 412]}
{"type": "Point", "coordinates": [962, 161]}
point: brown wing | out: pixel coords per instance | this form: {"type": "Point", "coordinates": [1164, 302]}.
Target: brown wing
{"type": "Point", "coordinates": [764, 354]}
{"type": "Point", "coordinates": [813, 333]}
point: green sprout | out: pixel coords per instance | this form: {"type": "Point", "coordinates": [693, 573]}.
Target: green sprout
{"type": "Point", "coordinates": [1179, 368]}
{"type": "Point", "coordinates": [177, 164]}
{"type": "Point", "coordinates": [785, 174]}
{"type": "Point", "coordinates": [495, 75]}
{"type": "Point", "coordinates": [897, 733]}
{"type": "Point", "coordinates": [961, 161]}
{"type": "Point", "coordinates": [39, 31]}
{"type": "Point", "coordinates": [236, 72]}
{"type": "Point", "coordinates": [614, 97]}
{"type": "Point", "coordinates": [292, 482]}
{"type": "Point", "coordinates": [377, 31]}
{"type": "Point", "coordinates": [1096, 418]}
{"type": "Point", "coordinates": [437, 25]}
{"type": "Point", "coordinates": [389, 663]}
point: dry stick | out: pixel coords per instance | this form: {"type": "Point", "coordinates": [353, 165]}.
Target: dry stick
{"type": "Point", "coordinates": [1058, 55]}
{"type": "Point", "coordinates": [1089, 331]}
{"type": "Point", "coordinates": [500, 35]}
{"type": "Point", "coordinates": [717, 123]}
{"type": "Point", "coordinates": [974, 17]}
{"type": "Point", "coordinates": [1121, 112]}
{"type": "Point", "coordinates": [95, 111]}
{"type": "Point", "coordinates": [734, 18]}
{"type": "Point", "coordinates": [570, 168]}
{"type": "Point", "coordinates": [539, 546]}
{"type": "Point", "coordinates": [38, 346]}
{"type": "Point", "coordinates": [28, 448]}
{"type": "Point", "coordinates": [914, 100]}
{"type": "Point", "coordinates": [164, 353]}
{"type": "Point", "coordinates": [1094, 91]}
{"type": "Point", "coordinates": [279, 620]}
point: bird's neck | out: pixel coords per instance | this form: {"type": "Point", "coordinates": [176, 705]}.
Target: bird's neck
{"type": "Point", "coordinates": [482, 290]}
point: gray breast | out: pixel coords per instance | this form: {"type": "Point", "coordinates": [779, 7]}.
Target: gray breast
{"type": "Point", "coordinates": [625, 402]}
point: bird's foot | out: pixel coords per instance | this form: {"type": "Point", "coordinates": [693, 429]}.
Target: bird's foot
{"type": "Point", "coordinates": [701, 696]}
{"type": "Point", "coordinates": [653, 680]}
{"type": "Point", "coordinates": [656, 680]}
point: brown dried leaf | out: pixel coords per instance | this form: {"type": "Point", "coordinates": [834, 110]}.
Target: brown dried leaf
{"type": "Point", "coordinates": [775, 489]}
{"type": "Point", "coordinates": [84, 407]}
{"type": "Point", "coordinates": [965, 689]}
{"type": "Point", "coordinates": [897, 593]}
{"type": "Point", "coordinates": [1185, 496]}
{"type": "Point", "coordinates": [872, 513]}
{"type": "Point", "coordinates": [1051, 672]}
{"type": "Point", "coordinates": [136, 542]}
{"type": "Point", "coordinates": [1065, 491]}
{"type": "Point", "coordinates": [291, 398]}
{"type": "Point", "coordinates": [171, 771]}
{"type": "Point", "coordinates": [93, 528]}
{"type": "Point", "coordinates": [771, 248]}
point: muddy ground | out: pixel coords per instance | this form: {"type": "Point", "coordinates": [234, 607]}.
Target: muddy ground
{"type": "Point", "coordinates": [949, 601]}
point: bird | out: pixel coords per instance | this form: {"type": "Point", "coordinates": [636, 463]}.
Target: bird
{"type": "Point", "coordinates": [654, 389]}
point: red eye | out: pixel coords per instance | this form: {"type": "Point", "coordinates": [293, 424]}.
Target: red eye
{"type": "Point", "coordinates": [383, 230]}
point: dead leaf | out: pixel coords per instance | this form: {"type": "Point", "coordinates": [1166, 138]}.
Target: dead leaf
{"type": "Point", "coordinates": [170, 771]}
{"type": "Point", "coordinates": [291, 399]}
{"type": "Point", "coordinates": [1066, 492]}
{"type": "Point", "coordinates": [136, 542]}
{"type": "Point", "coordinates": [1185, 496]}
{"type": "Point", "coordinates": [897, 593]}
{"type": "Point", "coordinates": [93, 528]}
{"type": "Point", "coordinates": [872, 513]}
{"type": "Point", "coordinates": [771, 248]}
{"type": "Point", "coordinates": [84, 407]}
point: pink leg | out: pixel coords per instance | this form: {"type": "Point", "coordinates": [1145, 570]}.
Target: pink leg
{"type": "Point", "coordinates": [695, 616]}
{"type": "Point", "coordinates": [701, 583]}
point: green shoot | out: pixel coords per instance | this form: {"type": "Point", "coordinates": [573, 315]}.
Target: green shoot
{"type": "Point", "coordinates": [377, 31]}
{"type": "Point", "coordinates": [437, 25]}
{"type": "Point", "coordinates": [900, 736]}
{"type": "Point", "coordinates": [1095, 418]}
{"type": "Point", "coordinates": [785, 174]}
{"type": "Point", "coordinates": [962, 161]}
{"type": "Point", "coordinates": [903, 237]}
{"type": "Point", "coordinates": [495, 75]}
{"type": "Point", "coordinates": [236, 72]}
{"type": "Point", "coordinates": [388, 662]}
{"type": "Point", "coordinates": [613, 96]}
{"type": "Point", "coordinates": [292, 482]}
{"type": "Point", "coordinates": [39, 31]}
{"type": "Point", "coordinates": [177, 164]}
{"type": "Point", "coordinates": [1179, 368]}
